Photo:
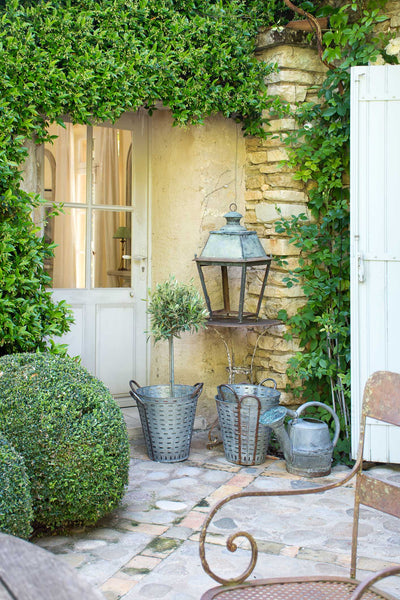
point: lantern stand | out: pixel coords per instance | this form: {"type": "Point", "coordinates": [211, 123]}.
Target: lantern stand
{"type": "Point", "coordinates": [232, 368]}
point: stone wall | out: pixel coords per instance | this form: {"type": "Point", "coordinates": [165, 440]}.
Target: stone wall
{"type": "Point", "coordinates": [392, 25]}
{"type": "Point", "coordinates": [269, 186]}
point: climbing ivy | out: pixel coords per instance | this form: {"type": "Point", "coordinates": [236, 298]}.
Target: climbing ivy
{"type": "Point", "coordinates": [94, 60]}
{"type": "Point", "coordinates": [319, 152]}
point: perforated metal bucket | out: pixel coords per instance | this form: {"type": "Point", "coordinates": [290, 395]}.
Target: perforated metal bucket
{"type": "Point", "coordinates": [167, 421]}
{"type": "Point", "coordinates": [239, 408]}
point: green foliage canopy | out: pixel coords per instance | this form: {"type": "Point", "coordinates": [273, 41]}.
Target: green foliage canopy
{"type": "Point", "coordinates": [94, 60]}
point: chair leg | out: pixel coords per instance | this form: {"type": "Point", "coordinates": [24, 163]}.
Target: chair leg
{"type": "Point", "coordinates": [354, 542]}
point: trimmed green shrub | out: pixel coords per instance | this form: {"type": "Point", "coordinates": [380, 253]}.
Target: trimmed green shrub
{"type": "Point", "coordinates": [71, 433]}
{"type": "Point", "coordinates": [15, 498]}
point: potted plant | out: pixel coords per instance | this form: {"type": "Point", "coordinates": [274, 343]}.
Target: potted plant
{"type": "Point", "coordinates": [167, 411]}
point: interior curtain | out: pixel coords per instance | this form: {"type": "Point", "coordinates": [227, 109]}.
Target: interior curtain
{"type": "Point", "coordinates": [67, 227]}
{"type": "Point", "coordinates": [111, 184]}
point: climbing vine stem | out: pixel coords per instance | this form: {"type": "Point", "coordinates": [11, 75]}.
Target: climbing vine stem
{"type": "Point", "coordinates": [319, 153]}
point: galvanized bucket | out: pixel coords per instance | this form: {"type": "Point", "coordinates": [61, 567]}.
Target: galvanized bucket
{"type": "Point", "coordinates": [167, 421]}
{"type": "Point", "coordinates": [239, 407]}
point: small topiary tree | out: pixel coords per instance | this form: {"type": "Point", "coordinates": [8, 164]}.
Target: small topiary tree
{"type": "Point", "coordinates": [175, 307]}
{"type": "Point", "coordinates": [15, 498]}
{"type": "Point", "coordinates": [71, 433]}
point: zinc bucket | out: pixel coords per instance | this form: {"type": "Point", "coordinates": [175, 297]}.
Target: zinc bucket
{"type": "Point", "coordinates": [239, 407]}
{"type": "Point", "coordinates": [167, 420]}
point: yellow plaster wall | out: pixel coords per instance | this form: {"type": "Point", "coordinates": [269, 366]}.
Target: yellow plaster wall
{"type": "Point", "coordinates": [196, 173]}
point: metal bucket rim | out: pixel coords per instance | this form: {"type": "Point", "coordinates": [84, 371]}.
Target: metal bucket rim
{"type": "Point", "coordinates": [273, 395]}
{"type": "Point", "coordinates": [189, 393]}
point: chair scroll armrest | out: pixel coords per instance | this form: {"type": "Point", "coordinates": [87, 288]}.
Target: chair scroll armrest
{"type": "Point", "coordinates": [231, 541]}
{"type": "Point", "coordinates": [366, 584]}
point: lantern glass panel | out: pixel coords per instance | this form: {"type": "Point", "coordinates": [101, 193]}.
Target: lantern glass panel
{"type": "Point", "coordinates": [223, 285]}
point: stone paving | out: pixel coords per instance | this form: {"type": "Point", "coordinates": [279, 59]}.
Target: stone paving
{"type": "Point", "coordinates": [148, 548]}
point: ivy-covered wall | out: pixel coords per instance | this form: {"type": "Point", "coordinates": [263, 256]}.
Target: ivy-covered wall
{"type": "Point", "coordinates": [270, 187]}
{"type": "Point", "coordinates": [391, 24]}
{"type": "Point", "coordinates": [273, 193]}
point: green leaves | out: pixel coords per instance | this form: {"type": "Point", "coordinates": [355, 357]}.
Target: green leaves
{"type": "Point", "coordinates": [15, 499]}
{"type": "Point", "coordinates": [28, 316]}
{"type": "Point", "coordinates": [174, 308]}
{"type": "Point", "coordinates": [95, 60]}
{"type": "Point", "coordinates": [71, 435]}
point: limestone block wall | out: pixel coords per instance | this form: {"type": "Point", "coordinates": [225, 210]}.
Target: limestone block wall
{"type": "Point", "coordinates": [270, 186]}
{"type": "Point", "coordinates": [392, 25]}
{"type": "Point", "coordinates": [392, 10]}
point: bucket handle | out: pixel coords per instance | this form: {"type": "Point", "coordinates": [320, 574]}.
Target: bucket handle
{"type": "Point", "coordinates": [330, 410]}
{"type": "Point", "coordinates": [133, 392]}
{"type": "Point", "coordinates": [197, 392]}
{"type": "Point", "coordinates": [268, 379]}
{"type": "Point", "coordinates": [225, 385]}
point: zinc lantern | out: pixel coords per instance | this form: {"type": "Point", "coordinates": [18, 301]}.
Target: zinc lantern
{"type": "Point", "coordinates": [235, 251]}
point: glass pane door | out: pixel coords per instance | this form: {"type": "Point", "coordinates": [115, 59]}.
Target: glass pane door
{"type": "Point", "coordinates": [88, 172]}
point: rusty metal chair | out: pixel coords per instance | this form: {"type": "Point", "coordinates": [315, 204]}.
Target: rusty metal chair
{"type": "Point", "coordinates": [381, 401]}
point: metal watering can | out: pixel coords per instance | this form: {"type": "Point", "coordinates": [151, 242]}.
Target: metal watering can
{"type": "Point", "coordinates": [306, 444]}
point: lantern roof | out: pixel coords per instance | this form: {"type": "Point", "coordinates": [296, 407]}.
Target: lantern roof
{"type": "Point", "coordinates": [233, 242]}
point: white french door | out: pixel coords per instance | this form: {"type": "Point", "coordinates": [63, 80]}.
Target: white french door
{"type": "Point", "coordinates": [100, 176]}
{"type": "Point", "coordinates": [375, 244]}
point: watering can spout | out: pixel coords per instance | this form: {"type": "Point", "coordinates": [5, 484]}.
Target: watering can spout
{"type": "Point", "coordinates": [275, 418]}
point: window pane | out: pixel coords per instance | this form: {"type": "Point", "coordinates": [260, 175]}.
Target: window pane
{"type": "Point", "coordinates": [112, 166]}
{"type": "Point", "coordinates": [65, 164]}
{"type": "Point", "coordinates": [68, 231]}
{"type": "Point", "coordinates": [111, 235]}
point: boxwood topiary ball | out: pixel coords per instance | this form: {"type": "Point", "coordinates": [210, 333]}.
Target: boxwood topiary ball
{"type": "Point", "coordinates": [15, 498]}
{"type": "Point", "coordinates": [71, 434]}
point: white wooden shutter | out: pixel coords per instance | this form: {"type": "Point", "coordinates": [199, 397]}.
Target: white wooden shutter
{"type": "Point", "coordinates": [375, 243]}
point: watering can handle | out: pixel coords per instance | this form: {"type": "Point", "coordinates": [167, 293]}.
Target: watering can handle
{"type": "Point", "coordinates": [268, 379]}
{"type": "Point", "coordinates": [330, 410]}
{"type": "Point", "coordinates": [133, 393]}
{"type": "Point", "coordinates": [225, 385]}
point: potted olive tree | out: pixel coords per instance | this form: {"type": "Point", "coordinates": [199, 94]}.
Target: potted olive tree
{"type": "Point", "coordinates": [167, 411]}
